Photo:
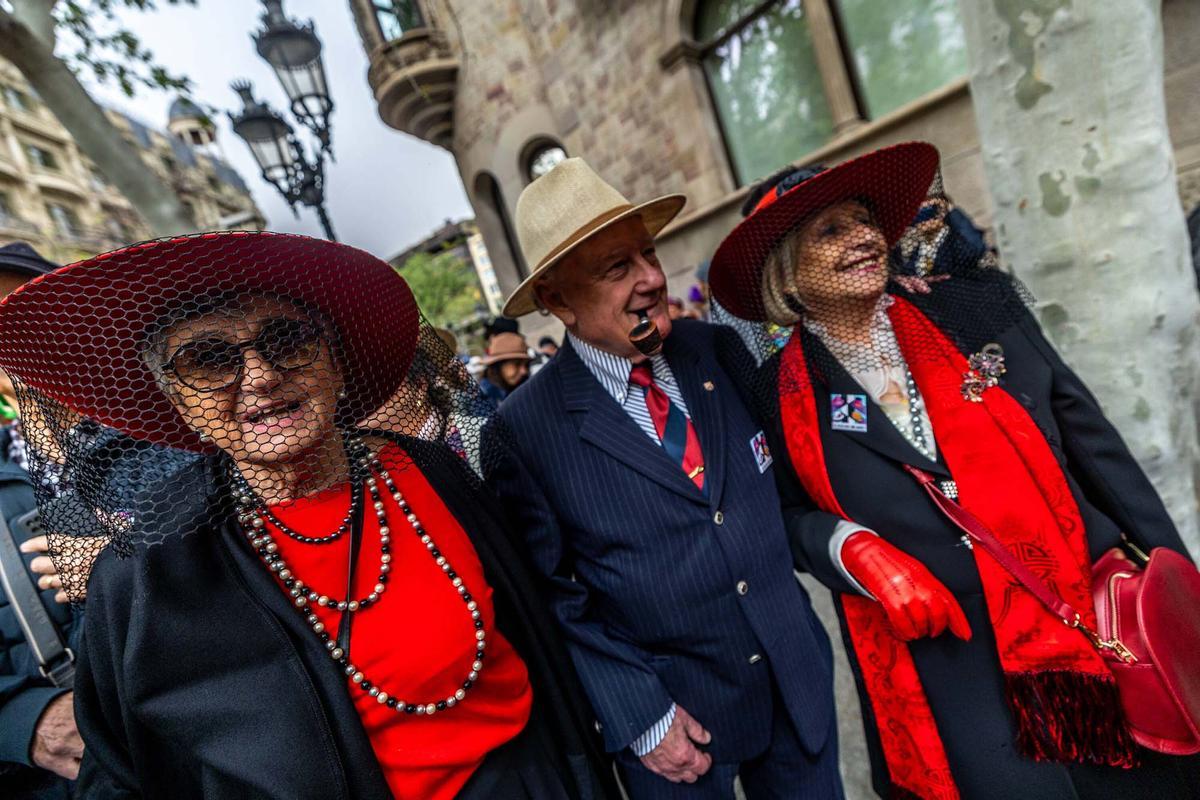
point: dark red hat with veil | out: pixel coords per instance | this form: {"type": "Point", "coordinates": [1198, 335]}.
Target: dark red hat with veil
{"type": "Point", "coordinates": [893, 181]}
{"type": "Point", "coordinates": [77, 334]}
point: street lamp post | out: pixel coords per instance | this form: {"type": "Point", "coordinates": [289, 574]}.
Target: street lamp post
{"type": "Point", "coordinates": [294, 52]}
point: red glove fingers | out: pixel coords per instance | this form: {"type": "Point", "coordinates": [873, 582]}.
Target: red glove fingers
{"type": "Point", "coordinates": [916, 603]}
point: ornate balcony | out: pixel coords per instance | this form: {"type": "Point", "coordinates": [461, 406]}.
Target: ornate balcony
{"type": "Point", "coordinates": [414, 79]}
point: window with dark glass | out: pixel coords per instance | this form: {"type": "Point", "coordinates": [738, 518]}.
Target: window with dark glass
{"type": "Point", "coordinates": [542, 159]}
{"type": "Point", "coordinates": [766, 87]}
{"type": "Point", "coordinates": [99, 182]}
{"type": "Point", "coordinates": [116, 229]}
{"type": "Point", "coordinates": [397, 16]}
{"type": "Point", "coordinates": [64, 219]}
{"type": "Point", "coordinates": [901, 49]}
{"type": "Point", "coordinates": [41, 157]}
{"type": "Point", "coordinates": [5, 207]}
{"type": "Point", "coordinates": [18, 100]}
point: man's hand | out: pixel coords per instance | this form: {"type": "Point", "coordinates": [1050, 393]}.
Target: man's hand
{"type": "Point", "coordinates": [677, 758]}
{"type": "Point", "coordinates": [56, 744]}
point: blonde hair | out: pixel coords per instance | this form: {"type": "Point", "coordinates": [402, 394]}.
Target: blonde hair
{"type": "Point", "coordinates": [779, 298]}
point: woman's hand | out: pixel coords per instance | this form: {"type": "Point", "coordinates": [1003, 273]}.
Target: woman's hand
{"type": "Point", "coordinates": [916, 603]}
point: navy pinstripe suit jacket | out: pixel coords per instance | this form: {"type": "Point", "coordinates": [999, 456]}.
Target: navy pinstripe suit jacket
{"type": "Point", "coordinates": [645, 571]}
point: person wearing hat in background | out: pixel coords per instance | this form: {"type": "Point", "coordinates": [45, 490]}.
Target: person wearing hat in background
{"type": "Point", "coordinates": [903, 415]}
{"type": "Point", "coordinates": [322, 602]}
{"type": "Point", "coordinates": [646, 499]}
{"type": "Point", "coordinates": [675, 308]}
{"type": "Point", "coordinates": [40, 747]}
{"type": "Point", "coordinates": [506, 366]}
{"type": "Point", "coordinates": [496, 327]}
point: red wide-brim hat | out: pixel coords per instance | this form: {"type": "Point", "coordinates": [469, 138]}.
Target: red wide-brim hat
{"type": "Point", "coordinates": [893, 181]}
{"type": "Point", "coordinates": [76, 334]}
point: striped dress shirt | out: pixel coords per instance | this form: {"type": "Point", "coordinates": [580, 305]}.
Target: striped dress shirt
{"type": "Point", "coordinates": [613, 373]}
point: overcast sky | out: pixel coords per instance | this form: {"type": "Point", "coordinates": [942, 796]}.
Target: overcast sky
{"type": "Point", "coordinates": [387, 189]}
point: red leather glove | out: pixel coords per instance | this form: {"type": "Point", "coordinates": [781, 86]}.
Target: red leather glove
{"type": "Point", "coordinates": [916, 603]}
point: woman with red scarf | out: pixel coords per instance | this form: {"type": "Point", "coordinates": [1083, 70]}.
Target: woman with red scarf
{"type": "Point", "coordinates": [970, 688]}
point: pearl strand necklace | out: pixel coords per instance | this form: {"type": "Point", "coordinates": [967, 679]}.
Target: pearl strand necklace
{"type": "Point", "coordinates": [916, 428]}
{"type": "Point", "coordinates": [303, 595]}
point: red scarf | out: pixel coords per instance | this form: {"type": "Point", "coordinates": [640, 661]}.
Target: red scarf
{"type": "Point", "coordinates": [1058, 688]}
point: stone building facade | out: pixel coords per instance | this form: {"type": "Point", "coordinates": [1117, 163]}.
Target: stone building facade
{"type": "Point", "coordinates": [692, 96]}
{"type": "Point", "coordinates": [54, 197]}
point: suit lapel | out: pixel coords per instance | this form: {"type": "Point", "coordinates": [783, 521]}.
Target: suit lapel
{"type": "Point", "coordinates": [692, 371]}
{"type": "Point", "coordinates": [881, 435]}
{"type": "Point", "coordinates": [605, 425]}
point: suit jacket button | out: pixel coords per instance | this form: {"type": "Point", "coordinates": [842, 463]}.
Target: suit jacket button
{"type": "Point", "coordinates": [599, 727]}
{"type": "Point", "coordinates": [743, 588]}
{"type": "Point", "coordinates": [719, 518]}
{"type": "Point", "coordinates": [754, 659]}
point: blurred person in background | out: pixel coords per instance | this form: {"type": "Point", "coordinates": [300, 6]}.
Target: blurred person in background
{"type": "Point", "coordinates": [506, 366]}
{"type": "Point", "coordinates": [40, 746]}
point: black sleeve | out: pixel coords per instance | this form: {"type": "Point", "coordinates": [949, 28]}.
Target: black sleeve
{"type": "Point", "coordinates": [1099, 460]}
{"type": "Point", "coordinates": [808, 528]}
{"type": "Point", "coordinates": [107, 769]}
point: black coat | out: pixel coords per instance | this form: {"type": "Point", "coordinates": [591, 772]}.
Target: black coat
{"type": "Point", "coordinates": [962, 680]}
{"type": "Point", "coordinates": [199, 680]}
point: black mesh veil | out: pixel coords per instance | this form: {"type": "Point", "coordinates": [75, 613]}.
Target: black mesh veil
{"type": "Point", "coordinates": [274, 366]}
{"type": "Point", "coordinates": [832, 255]}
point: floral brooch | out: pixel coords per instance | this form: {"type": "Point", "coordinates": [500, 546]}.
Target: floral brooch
{"type": "Point", "coordinates": [986, 367]}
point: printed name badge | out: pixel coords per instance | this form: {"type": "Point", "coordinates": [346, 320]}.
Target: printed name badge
{"type": "Point", "coordinates": [762, 453]}
{"type": "Point", "coordinates": [848, 412]}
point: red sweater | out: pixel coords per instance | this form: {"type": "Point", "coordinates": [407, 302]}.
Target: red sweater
{"type": "Point", "coordinates": [418, 641]}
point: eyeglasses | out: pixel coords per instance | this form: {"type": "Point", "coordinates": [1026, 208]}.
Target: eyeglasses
{"type": "Point", "coordinates": [213, 364]}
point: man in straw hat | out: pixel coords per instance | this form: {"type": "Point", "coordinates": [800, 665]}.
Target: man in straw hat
{"type": "Point", "coordinates": [648, 503]}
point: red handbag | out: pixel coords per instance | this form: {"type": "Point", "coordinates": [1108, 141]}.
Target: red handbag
{"type": "Point", "coordinates": [1148, 628]}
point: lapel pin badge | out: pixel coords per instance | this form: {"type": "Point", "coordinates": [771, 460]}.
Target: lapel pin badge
{"type": "Point", "coordinates": [985, 369]}
{"type": "Point", "coordinates": [848, 412]}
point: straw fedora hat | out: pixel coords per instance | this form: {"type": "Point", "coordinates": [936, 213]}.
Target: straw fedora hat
{"type": "Point", "coordinates": [564, 207]}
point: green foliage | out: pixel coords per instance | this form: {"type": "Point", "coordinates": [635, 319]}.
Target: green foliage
{"type": "Point", "coordinates": [445, 285]}
{"type": "Point", "coordinates": [110, 52]}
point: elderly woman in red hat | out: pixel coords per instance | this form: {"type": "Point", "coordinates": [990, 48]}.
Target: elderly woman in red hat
{"type": "Point", "coordinates": [310, 607]}
{"type": "Point", "coordinates": [903, 415]}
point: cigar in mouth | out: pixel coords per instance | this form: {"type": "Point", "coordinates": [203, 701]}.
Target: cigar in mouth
{"type": "Point", "coordinates": [645, 336]}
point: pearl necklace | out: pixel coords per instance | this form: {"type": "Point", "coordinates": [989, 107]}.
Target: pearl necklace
{"type": "Point", "coordinates": [251, 513]}
{"type": "Point", "coordinates": [916, 428]}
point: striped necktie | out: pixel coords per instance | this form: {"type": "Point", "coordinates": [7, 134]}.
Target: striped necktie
{"type": "Point", "coordinates": [675, 430]}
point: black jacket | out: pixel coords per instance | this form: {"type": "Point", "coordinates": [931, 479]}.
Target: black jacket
{"type": "Point", "coordinates": [962, 680]}
{"type": "Point", "coordinates": [200, 681]}
{"type": "Point", "coordinates": [24, 693]}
